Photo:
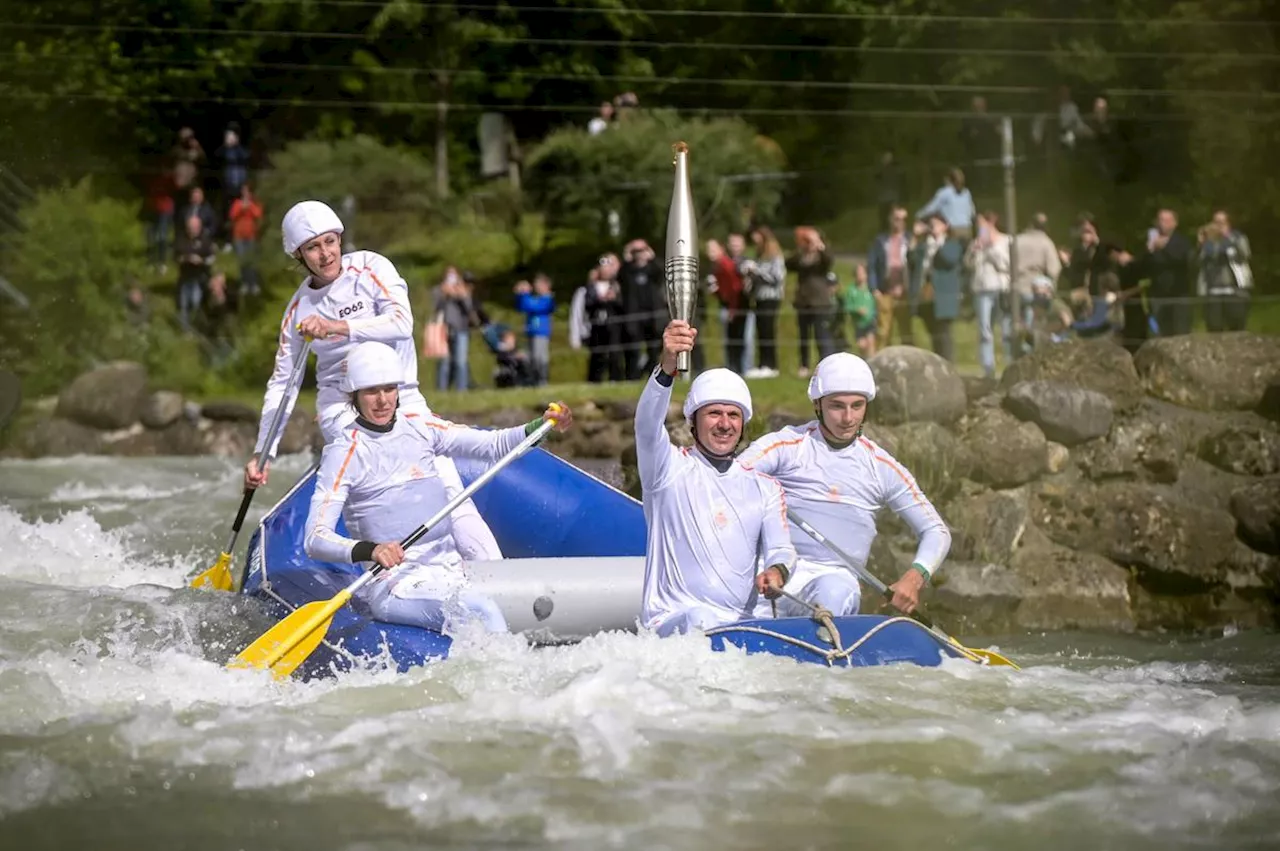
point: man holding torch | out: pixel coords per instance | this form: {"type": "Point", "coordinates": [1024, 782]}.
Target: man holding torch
{"type": "Point", "coordinates": [708, 517]}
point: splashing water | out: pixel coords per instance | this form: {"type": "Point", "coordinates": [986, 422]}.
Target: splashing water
{"type": "Point", "coordinates": [120, 728]}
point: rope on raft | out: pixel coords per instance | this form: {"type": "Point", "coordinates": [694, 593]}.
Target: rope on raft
{"type": "Point", "coordinates": [831, 656]}
{"type": "Point", "coordinates": [838, 651]}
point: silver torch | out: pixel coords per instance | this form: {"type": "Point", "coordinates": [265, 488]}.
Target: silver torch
{"type": "Point", "coordinates": [682, 249]}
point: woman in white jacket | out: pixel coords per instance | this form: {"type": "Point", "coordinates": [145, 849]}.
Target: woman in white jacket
{"type": "Point", "coordinates": [988, 261]}
{"type": "Point", "coordinates": [380, 476]}
{"type": "Point", "coordinates": [345, 300]}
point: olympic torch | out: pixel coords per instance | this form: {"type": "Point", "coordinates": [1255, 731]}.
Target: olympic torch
{"type": "Point", "coordinates": [682, 248]}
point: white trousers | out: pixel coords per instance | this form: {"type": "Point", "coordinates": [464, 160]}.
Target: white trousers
{"type": "Point", "coordinates": [817, 584]}
{"type": "Point", "coordinates": [472, 535]}
{"type": "Point", "coordinates": [431, 596]}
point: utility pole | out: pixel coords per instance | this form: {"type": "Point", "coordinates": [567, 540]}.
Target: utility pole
{"type": "Point", "coordinates": [1010, 191]}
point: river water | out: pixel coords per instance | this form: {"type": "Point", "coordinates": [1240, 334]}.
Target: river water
{"type": "Point", "coordinates": [120, 729]}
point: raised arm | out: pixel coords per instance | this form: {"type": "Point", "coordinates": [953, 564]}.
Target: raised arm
{"type": "Point", "coordinates": [393, 321]}
{"type": "Point", "coordinates": [655, 453]}
{"type": "Point", "coordinates": [451, 439]}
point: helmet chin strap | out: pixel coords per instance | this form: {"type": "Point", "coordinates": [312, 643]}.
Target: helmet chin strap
{"type": "Point", "coordinates": [365, 423]}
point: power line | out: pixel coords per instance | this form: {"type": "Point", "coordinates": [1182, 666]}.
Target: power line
{"type": "Point", "coordinates": [432, 106]}
{"type": "Point", "coordinates": [1044, 53]}
{"type": "Point", "coordinates": [728, 82]}
{"type": "Point", "coordinates": [815, 16]}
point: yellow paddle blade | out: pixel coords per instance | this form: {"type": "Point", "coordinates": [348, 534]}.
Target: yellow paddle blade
{"type": "Point", "coordinates": [990, 656]}
{"type": "Point", "coordinates": [288, 644]}
{"type": "Point", "coordinates": [218, 577]}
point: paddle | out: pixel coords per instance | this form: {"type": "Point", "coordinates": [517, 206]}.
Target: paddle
{"type": "Point", "coordinates": [288, 644]}
{"type": "Point", "coordinates": [218, 577]}
{"type": "Point", "coordinates": [990, 656]}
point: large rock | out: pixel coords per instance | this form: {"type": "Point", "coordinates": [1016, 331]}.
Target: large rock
{"type": "Point", "coordinates": [1063, 588]}
{"type": "Point", "coordinates": [1043, 586]}
{"type": "Point", "coordinates": [162, 408]}
{"type": "Point", "coordinates": [1244, 451]}
{"type": "Point", "coordinates": [1135, 448]}
{"type": "Point", "coordinates": [1256, 508]}
{"type": "Point", "coordinates": [1003, 452]}
{"type": "Point", "coordinates": [1211, 372]}
{"type": "Point", "coordinates": [1098, 365]}
{"type": "Point", "coordinates": [988, 526]}
{"type": "Point", "coordinates": [229, 412]}
{"type": "Point", "coordinates": [915, 385]}
{"type": "Point", "coordinates": [1269, 405]}
{"type": "Point", "coordinates": [58, 437]}
{"type": "Point", "coordinates": [937, 460]}
{"type": "Point", "coordinates": [301, 433]}
{"type": "Point", "coordinates": [109, 397]}
{"type": "Point", "coordinates": [1174, 546]}
{"type": "Point", "coordinates": [1066, 414]}
{"type": "Point", "coordinates": [593, 439]}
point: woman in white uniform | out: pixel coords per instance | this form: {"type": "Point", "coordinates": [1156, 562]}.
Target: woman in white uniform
{"type": "Point", "coordinates": [347, 299]}
{"type": "Point", "coordinates": [380, 477]}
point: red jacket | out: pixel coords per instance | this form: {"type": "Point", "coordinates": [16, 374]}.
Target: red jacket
{"type": "Point", "coordinates": [245, 219]}
{"type": "Point", "coordinates": [729, 285]}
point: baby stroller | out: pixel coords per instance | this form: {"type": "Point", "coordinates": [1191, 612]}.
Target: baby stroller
{"type": "Point", "coordinates": [514, 369]}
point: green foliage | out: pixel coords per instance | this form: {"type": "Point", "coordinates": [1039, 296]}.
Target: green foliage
{"type": "Point", "coordinates": [577, 178]}
{"type": "Point", "coordinates": [71, 259]}
{"type": "Point", "coordinates": [392, 188]}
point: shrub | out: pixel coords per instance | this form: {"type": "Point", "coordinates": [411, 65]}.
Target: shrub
{"type": "Point", "coordinates": [73, 258]}
{"type": "Point", "coordinates": [392, 188]}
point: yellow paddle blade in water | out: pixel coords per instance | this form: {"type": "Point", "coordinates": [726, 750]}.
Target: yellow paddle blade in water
{"type": "Point", "coordinates": [218, 577]}
{"type": "Point", "coordinates": [991, 657]}
{"type": "Point", "coordinates": [288, 644]}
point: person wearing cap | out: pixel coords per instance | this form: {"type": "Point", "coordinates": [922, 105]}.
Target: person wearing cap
{"type": "Point", "coordinates": [709, 519]}
{"type": "Point", "coordinates": [379, 475]}
{"type": "Point", "coordinates": [345, 300]}
{"type": "Point", "coordinates": [838, 480]}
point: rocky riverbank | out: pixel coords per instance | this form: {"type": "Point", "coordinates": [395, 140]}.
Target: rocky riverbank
{"type": "Point", "coordinates": [1087, 489]}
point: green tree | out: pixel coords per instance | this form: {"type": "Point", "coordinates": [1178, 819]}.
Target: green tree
{"type": "Point", "coordinates": [578, 179]}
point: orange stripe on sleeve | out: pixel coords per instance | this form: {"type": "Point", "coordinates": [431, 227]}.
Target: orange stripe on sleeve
{"type": "Point", "coordinates": [386, 292]}
{"type": "Point", "coordinates": [778, 445]}
{"type": "Point", "coordinates": [345, 461]}
{"type": "Point", "coordinates": [906, 480]}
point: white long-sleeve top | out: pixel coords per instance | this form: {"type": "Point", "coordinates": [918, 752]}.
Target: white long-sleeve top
{"type": "Point", "coordinates": [373, 299]}
{"type": "Point", "coordinates": [990, 265]}
{"type": "Point", "coordinates": [705, 528]}
{"type": "Point", "coordinates": [840, 491]}
{"type": "Point", "coordinates": [385, 485]}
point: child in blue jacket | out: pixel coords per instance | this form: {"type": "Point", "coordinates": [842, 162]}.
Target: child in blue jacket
{"type": "Point", "coordinates": [537, 304]}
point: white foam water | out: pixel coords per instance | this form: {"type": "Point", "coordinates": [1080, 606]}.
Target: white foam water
{"type": "Point", "coordinates": [114, 699]}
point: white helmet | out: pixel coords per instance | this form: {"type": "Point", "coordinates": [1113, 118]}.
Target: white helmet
{"type": "Point", "coordinates": [305, 221]}
{"type": "Point", "coordinates": [718, 385]}
{"type": "Point", "coordinates": [842, 373]}
{"type": "Point", "coordinates": [372, 364]}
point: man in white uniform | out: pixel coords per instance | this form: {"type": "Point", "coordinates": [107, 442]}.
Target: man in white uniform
{"type": "Point", "coordinates": [708, 517]}
{"type": "Point", "coordinates": [380, 476]}
{"type": "Point", "coordinates": [346, 300]}
{"type": "Point", "coordinates": [838, 480]}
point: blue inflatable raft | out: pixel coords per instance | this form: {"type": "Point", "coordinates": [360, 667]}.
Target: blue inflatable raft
{"type": "Point", "coordinates": [574, 566]}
